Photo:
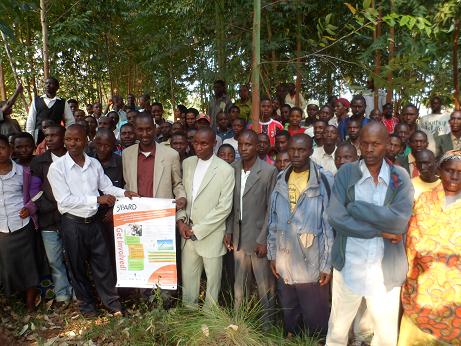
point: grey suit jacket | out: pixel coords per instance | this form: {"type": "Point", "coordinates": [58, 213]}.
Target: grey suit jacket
{"type": "Point", "coordinates": [443, 143]}
{"type": "Point", "coordinates": [256, 205]}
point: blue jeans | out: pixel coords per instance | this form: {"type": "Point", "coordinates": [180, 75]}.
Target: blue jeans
{"type": "Point", "coordinates": [53, 247]}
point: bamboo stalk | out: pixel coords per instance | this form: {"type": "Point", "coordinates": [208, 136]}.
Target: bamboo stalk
{"type": "Point", "coordinates": [455, 64]}
{"type": "Point", "coordinates": [256, 63]}
{"type": "Point", "coordinates": [46, 62]}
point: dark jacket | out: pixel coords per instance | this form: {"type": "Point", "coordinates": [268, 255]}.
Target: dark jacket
{"type": "Point", "coordinates": [49, 217]}
{"type": "Point", "coordinates": [443, 144]}
{"type": "Point", "coordinates": [350, 218]}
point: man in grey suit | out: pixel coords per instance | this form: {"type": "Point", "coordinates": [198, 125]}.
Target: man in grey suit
{"type": "Point", "coordinates": [451, 140]}
{"type": "Point", "coordinates": [246, 233]}
{"type": "Point", "coordinates": [209, 183]}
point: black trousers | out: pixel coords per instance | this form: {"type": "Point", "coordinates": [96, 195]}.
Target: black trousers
{"type": "Point", "coordinates": [84, 244]}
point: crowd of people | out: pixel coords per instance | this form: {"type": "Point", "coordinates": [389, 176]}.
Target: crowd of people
{"type": "Point", "coordinates": [344, 219]}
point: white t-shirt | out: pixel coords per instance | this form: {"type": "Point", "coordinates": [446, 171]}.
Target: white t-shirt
{"type": "Point", "coordinates": [436, 124]}
{"type": "Point", "coordinates": [199, 174]}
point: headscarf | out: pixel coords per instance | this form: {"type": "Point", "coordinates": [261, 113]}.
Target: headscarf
{"type": "Point", "coordinates": [450, 155]}
{"type": "Point", "coordinates": [344, 102]}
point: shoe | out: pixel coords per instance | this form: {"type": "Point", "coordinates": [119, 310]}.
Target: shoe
{"type": "Point", "coordinates": [89, 314]}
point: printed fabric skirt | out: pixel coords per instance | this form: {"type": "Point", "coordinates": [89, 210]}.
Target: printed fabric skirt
{"type": "Point", "coordinates": [19, 260]}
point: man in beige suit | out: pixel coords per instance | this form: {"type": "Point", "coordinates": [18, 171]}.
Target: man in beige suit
{"type": "Point", "coordinates": [150, 169]}
{"type": "Point", "coordinates": [209, 184]}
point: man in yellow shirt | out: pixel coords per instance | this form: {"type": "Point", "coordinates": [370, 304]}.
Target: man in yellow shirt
{"type": "Point", "coordinates": [427, 167]}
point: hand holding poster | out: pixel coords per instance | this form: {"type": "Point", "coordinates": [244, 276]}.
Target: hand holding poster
{"type": "Point", "coordinates": [145, 246]}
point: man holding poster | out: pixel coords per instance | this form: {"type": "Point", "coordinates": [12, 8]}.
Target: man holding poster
{"type": "Point", "coordinates": [209, 184]}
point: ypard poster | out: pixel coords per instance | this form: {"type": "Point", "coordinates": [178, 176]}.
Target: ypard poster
{"type": "Point", "coordinates": [145, 246]}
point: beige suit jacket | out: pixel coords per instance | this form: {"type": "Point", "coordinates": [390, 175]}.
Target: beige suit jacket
{"type": "Point", "coordinates": [211, 207]}
{"type": "Point", "coordinates": [167, 171]}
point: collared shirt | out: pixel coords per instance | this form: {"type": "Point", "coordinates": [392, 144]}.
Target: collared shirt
{"type": "Point", "coordinates": [217, 105]}
{"type": "Point", "coordinates": [11, 200]}
{"type": "Point", "coordinates": [243, 180]}
{"type": "Point", "coordinates": [325, 160]}
{"type": "Point", "coordinates": [76, 189]}
{"type": "Point", "coordinates": [32, 117]}
{"type": "Point", "coordinates": [362, 270]}
{"type": "Point", "coordinates": [146, 166]}
{"type": "Point", "coordinates": [456, 142]}
{"type": "Point", "coordinates": [291, 100]}
{"type": "Point", "coordinates": [199, 174]}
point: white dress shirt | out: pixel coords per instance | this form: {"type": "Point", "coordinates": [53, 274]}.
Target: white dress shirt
{"type": "Point", "coordinates": [362, 270]}
{"type": "Point", "coordinates": [32, 117]}
{"type": "Point", "coordinates": [11, 200]}
{"type": "Point", "coordinates": [199, 174]}
{"type": "Point", "coordinates": [243, 180]}
{"type": "Point", "coordinates": [327, 161]}
{"type": "Point", "coordinates": [76, 188]}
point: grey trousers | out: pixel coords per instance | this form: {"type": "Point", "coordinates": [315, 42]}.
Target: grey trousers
{"type": "Point", "coordinates": [249, 268]}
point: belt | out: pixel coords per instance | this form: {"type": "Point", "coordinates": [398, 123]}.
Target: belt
{"type": "Point", "coordinates": [79, 219]}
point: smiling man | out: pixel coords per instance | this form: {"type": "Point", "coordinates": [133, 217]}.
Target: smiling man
{"type": "Point", "coordinates": [368, 253]}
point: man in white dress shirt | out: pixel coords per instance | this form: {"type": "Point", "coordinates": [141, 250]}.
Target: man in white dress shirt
{"type": "Point", "coordinates": [48, 106]}
{"type": "Point", "coordinates": [325, 155]}
{"type": "Point", "coordinates": [76, 180]}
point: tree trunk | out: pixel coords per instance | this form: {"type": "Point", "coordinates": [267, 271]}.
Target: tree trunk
{"type": "Point", "coordinates": [273, 56]}
{"type": "Point", "coordinates": [391, 58]}
{"type": "Point", "coordinates": [220, 38]}
{"type": "Point", "coordinates": [2, 84]}
{"type": "Point", "coordinates": [455, 64]}
{"type": "Point", "coordinates": [46, 62]}
{"type": "Point", "coordinates": [256, 60]}
{"type": "Point", "coordinates": [30, 54]}
{"type": "Point", "coordinates": [377, 71]}
{"type": "Point", "coordinates": [299, 21]}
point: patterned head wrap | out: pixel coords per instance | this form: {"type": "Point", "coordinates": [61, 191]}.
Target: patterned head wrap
{"type": "Point", "coordinates": [450, 155]}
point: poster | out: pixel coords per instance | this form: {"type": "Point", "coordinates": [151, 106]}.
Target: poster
{"type": "Point", "coordinates": [145, 242]}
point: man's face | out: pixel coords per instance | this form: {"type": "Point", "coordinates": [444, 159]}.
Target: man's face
{"type": "Point", "coordinates": [403, 131]}
{"type": "Point", "coordinates": [75, 141]}
{"type": "Point", "coordinates": [127, 136]}
{"type": "Point", "coordinates": [295, 118]}
{"type": "Point", "coordinates": [79, 115]}
{"type": "Point", "coordinates": [51, 88]}
{"type": "Point", "coordinates": [5, 152]}
{"type": "Point", "coordinates": [115, 118]}
{"type": "Point", "coordinates": [179, 143]}
{"type": "Point", "coordinates": [410, 115]}
{"type": "Point", "coordinates": [105, 123]}
{"type": "Point", "coordinates": [325, 114]}
{"type": "Point", "coordinates": [190, 120]}
{"type": "Point", "coordinates": [89, 109]}
{"type": "Point", "coordinates": [312, 111]}
{"type": "Point", "coordinates": [73, 107]}
{"type": "Point", "coordinates": [165, 129]}
{"type": "Point", "coordinates": [358, 108]}
{"type": "Point", "coordinates": [130, 99]}
{"type": "Point", "coordinates": [282, 160]}
{"type": "Point", "coordinates": [118, 102]}
{"type": "Point", "coordinates": [426, 165]}
{"type": "Point", "coordinates": [131, 117]}
{"type": "Point", "coordinates": [54, 138]}
{"type": "Point", "coordinates": [319, 127]}
{"type": "Point", "coordinates": [353, 130]}
{"type": "Point", "coordinates": [285, 111]}
{"type": "Point", "coordinates": [330, 135]}
{"type": "Point", "coordinates": [344, 155]}
{"type": "Point", "coordinates": [234, 113]}
{"type": "Point", "coordinates": [92, 124]}
{"type": "Point", "coordinates": [237, 127]}
{"type": "Point", "coordinates": [455, 122]}
{"type": "Point", "coordinates": [244, 93]}
{"type": "Point", "coordinates": [157, 113]}
{"type": "Point", "coordinates": [203, 145]}
{"type": "Point", "coordinates": [97, 109]}
{"type": "Point", "coordinates": [227, 155]}
{"type": "Point", "coordinates": [218, 89]}
{"type": "Point", "coordinates": [202, 123]}
{"type": "Point", "coordinates": [104, 147]}
{"type": "Point", "coordinates": [222, 121]}
{"type": "Point", "coordinates": [299, 152]}
{"type": "Point", "coordinates": [388, 110]}
{"type": "Point", "coordinates": [263, 144]}
{"type": "Point", "coordinates": [376, 115]}
{"type": "Point", "coordinates": [145, 131]}
{"type": "Point", "coordinates": [281, 143]}
{"type": "Point", "coordinates": [450, 174]}
{"type": "Point", "coordinates": [247, 146]}
{"type": "Point", "coordinates": [142, 102]}
{"type": "Point", "coordinates": [436, 105]}
{"type": "Point", "coordinates": [418, 142]}
{"type": "Point", "coordinates": [394, 147]}
{"type": "Point", "coordinates": [266, 110]}
{"type": "Point", "coordinates": [23, 149]}
{"type": "Point", "coordinates": [373, 147]}
{"type": "Point", "coordinates": [190, 137]}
